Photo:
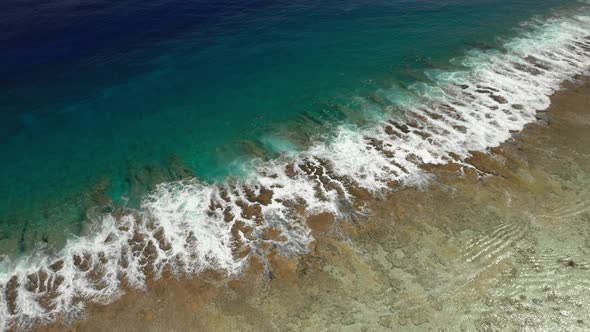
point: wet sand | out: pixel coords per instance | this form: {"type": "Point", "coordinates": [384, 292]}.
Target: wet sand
{"type": "Point", "coordinates": [503, 245]}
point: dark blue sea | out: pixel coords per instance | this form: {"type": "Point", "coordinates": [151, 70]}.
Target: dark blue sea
{"type": "Point", "coordinates": [95, 94]}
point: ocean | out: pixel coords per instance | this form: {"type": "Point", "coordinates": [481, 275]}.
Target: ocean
{"type": "Point", "coordinates": [139, 137]}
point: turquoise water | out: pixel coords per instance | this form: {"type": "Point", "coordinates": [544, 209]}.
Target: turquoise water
{"type": "Point", "coordinates": [102, 101]}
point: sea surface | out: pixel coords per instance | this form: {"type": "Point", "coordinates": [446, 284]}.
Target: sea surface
{"type": "Point", "coordinates": [189, 113]}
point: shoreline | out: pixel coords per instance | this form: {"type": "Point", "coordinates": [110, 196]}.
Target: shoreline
{"type": "Point", "coordinates": [188, 227]}
{"type": "Point", "coordinates": [419, 258]}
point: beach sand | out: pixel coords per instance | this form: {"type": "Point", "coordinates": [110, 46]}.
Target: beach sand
{"type": "Point", "coordinates": [503, 245]}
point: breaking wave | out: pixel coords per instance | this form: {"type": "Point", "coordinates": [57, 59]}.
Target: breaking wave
{"type": "Point", "coordinates": [189, 226]}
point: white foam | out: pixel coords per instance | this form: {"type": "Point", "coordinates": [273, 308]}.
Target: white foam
{"type": "Point", "coordinates": [184, 226]}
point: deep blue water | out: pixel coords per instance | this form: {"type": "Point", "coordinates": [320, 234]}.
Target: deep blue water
{"type": "Point", "coordinates": [101, 100]}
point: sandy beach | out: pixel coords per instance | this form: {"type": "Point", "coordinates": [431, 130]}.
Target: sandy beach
{"type": "Point", "coordinates": [499, 243]}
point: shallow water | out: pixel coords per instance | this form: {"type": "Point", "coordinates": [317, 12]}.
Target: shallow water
{"type": "Point", "coordinates": [501, 251]}
{"type": "Point", "coordinates": [502, 246]}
